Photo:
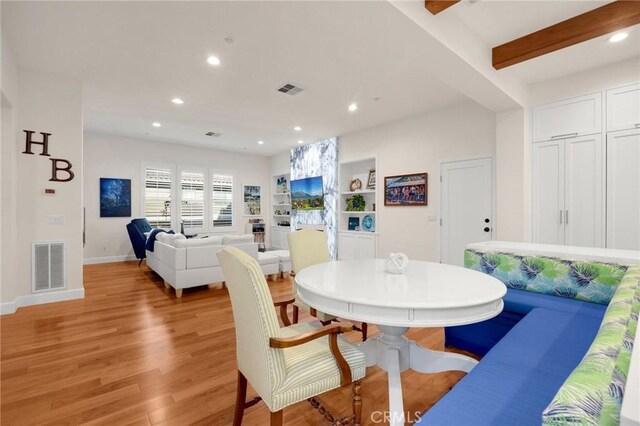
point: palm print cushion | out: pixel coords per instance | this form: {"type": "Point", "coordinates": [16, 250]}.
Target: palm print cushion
{"type": "Point", "coordinates": [589, 281]}
{"type": "Point", "coordinates": [593, 393]}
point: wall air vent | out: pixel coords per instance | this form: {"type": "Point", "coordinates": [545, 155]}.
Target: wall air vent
{"type": "Point", "coordinates": [213, 134]}
{"type": "Point", "coordinates": [48, 266]}
{"type": "Point", "coordinates": [290, 89]}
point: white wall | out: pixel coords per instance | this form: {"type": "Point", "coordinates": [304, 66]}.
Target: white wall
{"type": "Point", "coordinates": [585, 82]}
{"type": "Point", "coordinates": [122, 157]}
{"type": "Point", "coordinates": [417, 144]}
{"type": "Point", "coordinates": [45, 103]}
{"type": "Point", "coordinates": [280, 164]}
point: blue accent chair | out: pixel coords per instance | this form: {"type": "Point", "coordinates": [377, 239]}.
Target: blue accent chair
{"type": "Point", "coordinates": [136, 229]}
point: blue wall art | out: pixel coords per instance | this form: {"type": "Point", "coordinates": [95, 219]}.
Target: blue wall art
{"type": "Point", "coordinates": [115, 197]}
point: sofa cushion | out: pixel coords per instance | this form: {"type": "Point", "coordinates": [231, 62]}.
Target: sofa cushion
{"type": "Point", "coordinates": [588, 281]}
{"type": "Point", "coordinates": [519, 377]}
{"type": "Point", "coordinates": [593, 393]}
{"type": "Point", "coordinates": [522, 302]}
{"type": "Point", "coordinates": [198, 242]}
{"type": "Point", "coordinates": [283, 255]}
{"type": "Point", "coordinates": [267, 259]}
{"type": "Point", "coordinates": [237, 239]}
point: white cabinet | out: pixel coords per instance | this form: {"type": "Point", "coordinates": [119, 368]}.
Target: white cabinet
{"type": "Point", "coordinates": [569, 118]}
{"type": "Point", "coordinates": [279, 238]}
{"type": "Point", "coordinates": [356, 245]}
{"type": "Point", "coordinates": [623, 108]}
{"type": "Point", "coordinates": [623, 190]}
{"type": "Point", "coordinates": [567, 191]}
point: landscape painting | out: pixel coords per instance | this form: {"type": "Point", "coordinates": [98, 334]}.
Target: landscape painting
{"type": "Point", "coordinates": [406, 190]}
{"type": "Point", "coordinates": [251, 200]}
{"type": "Point", "coordinates": [115, 197]}
{"type": "Point", "coordinates": [306, 194]}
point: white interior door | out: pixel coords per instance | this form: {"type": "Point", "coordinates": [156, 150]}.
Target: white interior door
{"type": "Point", "coordinates": [466, 207]}
{"type": "Point", "coordinates": [548, 192]}
{"type": "Point", "coordinates": [583, 191]}
{"type": "Point", "coordinates": [623, 190]}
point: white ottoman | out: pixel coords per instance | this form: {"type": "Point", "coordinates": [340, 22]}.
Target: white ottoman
{"type": "Point", "coordinates": [270, 264]}
{"type": "Point", "coordinates": [284, 259]}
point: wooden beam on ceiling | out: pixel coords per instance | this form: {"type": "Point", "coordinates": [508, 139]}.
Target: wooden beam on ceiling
{"type": "Point", "coordinates": [595, 23]}
{"type": "Point", "coordinates": [437, 6]}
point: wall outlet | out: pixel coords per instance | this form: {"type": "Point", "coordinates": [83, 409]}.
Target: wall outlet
{"type": "Point", "coordinates": [56, 220]}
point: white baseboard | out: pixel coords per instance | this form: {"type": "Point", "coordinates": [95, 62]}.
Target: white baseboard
{"type": "Point", "coordinates": [108, 259]}
{"type": "Point", "coordinates": [40, 298]}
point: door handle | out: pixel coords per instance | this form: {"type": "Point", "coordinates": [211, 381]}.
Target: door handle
{"type": "Point", "coordinates": [560, 217]}
{"type": "Point", "coordinates": [637, 125]}
{"type": "Point", "coordinates": [487, 229]}
{"type": "Point", "coordinates": [565, 135]}
{"type": "Point", "coordinates": [566, 217]}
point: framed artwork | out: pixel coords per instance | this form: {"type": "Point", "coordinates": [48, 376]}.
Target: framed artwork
{"type": "Point", "coordinates": [371, 181]}
{"type": "Point", "coordinates": [406, 190]}
{"type": "Point", "coordinates": [251, 200]}
{"type": "Point", "coordinates": [115, 197]}
{"type": "Point", "coordinates": [281, 185]}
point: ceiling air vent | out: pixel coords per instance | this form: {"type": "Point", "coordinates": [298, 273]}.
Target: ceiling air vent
{"type": "Point", "coordinates": [213, 134]}
{"type": "Point", "coordinates": [290, 89]}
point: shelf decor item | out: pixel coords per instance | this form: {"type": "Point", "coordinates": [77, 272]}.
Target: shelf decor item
{"type": "Point", "coordinates": [367, 223]}
{"type": "Point", "coordinates": [355, 185]}
{"type": "Point", "coordinates": [281, 185]}
{"type": "Point", "coordinates": [354, 222]}
{"type": "Point", "coordinates": [371, 181]}
{"type": "Point", "coordinates": [406, 190]}
{"type": "Point", "coordinates": [356, 203]}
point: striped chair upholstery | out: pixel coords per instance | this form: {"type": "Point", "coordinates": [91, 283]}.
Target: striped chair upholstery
{"type": "Point", "coordinates": [280, 376]}
{"type": "Point", "coordinates": [308, 247]}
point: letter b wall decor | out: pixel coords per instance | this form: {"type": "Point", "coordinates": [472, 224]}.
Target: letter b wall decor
{"type": "Point", "coordinates": [58, 165]}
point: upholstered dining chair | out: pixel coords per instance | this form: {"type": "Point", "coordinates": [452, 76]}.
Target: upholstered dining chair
{"type": "Point", "coordinates": [308, 247]}
{"type": "Point", "coordinates": [289, 364]}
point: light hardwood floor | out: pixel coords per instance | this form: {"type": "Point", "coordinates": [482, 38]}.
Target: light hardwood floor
{"type": "Point", "coordinates": [131, 353]}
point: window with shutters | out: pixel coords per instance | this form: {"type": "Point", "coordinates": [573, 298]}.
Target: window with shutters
{"type": "Point", "coordinates": [157, 196]}
{"type": "Point", "coordinates": [192, 200]}
{"type": "Point", "coordinates": [222, 201]}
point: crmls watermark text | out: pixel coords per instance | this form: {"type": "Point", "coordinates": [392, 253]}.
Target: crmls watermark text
{"type": "Point", "coordinates": [388, 417]}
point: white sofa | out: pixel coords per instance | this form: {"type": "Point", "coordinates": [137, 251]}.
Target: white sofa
{"type": "Point", "coordinates": [184, 263]}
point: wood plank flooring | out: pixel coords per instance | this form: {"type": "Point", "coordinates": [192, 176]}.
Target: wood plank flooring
{"type": "Point", "coordinates": [130, 353]}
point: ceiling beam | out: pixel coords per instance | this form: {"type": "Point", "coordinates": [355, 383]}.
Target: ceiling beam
{"type": "Point", "coordinates": [595, 23]}
{"type": "Point", "coordinates": [437, 6]}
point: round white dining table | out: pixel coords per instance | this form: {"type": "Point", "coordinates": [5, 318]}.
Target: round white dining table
{"type": "Point", "coordinates": [426, 295]}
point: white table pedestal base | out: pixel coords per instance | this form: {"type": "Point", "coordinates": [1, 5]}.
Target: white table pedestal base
{"type": "Point", "coordinates": [394, 353]}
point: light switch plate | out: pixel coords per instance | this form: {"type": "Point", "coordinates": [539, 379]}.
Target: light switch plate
{"type": "Point", "coordinates": [56, 220]}
{"type": "Point", "coordinates": [431, 218]}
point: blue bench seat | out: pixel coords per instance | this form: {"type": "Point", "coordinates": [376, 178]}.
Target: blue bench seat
{"type": "Point", "coordinates": [481, 337]}
{"type": "Point", "coordinates": [518, 378]}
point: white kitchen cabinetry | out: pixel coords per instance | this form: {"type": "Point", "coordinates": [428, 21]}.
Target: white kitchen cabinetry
{"type": "Point", "coordinates": [623, 108]}
{"type": "Point", "coordinates": [279, 238]}
{"type": "Point", "coordinates": [356, 245]}
{"type": "Point", "coordinates": [568, 118]}
{"type": "Point", "coordinates": [568, 191]}
{"type": "Point", "coordinates": [623, 189]}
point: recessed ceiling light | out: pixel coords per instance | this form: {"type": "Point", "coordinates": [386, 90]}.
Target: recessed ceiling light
{"type": "Point", "coordinates": [156, 124]}
{"type": "Point", "coordinates": [297, 128]}
{"type": "Point", "coordinates": [618, 37]}
{"type": "Point", "coordinates": [213, 60]}
{"type": "Point", "coordinates": [300, 142]}
{"type": "Point", "coordinates": [353, 107]}
{"type": "Point", "coordinates": [260, 142]}
{"type": "Point", "coordinates": [177, 101]}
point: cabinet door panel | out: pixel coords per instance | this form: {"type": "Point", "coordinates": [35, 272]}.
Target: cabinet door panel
{"type": "Point", "coordinates": [366, 247]}
{"type": "Point", "coordinates": [548, 192]}
{"type": "Point", "coordinates": [623, 108]}
{"type": "Point", "coordinates": [623, 190]}
{"type": "Point", "coordinates": [579, 116]}
{"type": "Point", "coordinates": [347, 246]}
{"type": "Point", "coordinates": [583, 191]}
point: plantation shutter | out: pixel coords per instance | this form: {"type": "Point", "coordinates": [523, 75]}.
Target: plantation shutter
{"type": "Point", "coordinates": [192, 200]}
{"type": "Point", "coordinates": [157, 196]}
{"type": "Point", "coordinates": [222, 201]}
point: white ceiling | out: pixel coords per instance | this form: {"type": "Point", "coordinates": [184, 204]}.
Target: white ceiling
{"type": "Point", "coordinates": [133, 57]}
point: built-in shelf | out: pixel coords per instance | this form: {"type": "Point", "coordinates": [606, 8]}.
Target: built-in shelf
{"type": "Point", "coordinates": [363, 212]}
{"type": "Point", "coordinates": [364, 191]}
{"type": "Point", "coordinates": [359, 232]}
{"type": "Point", "coordinates": [281, 204]}
{"type": "Point", "coordinates": [281, 215]}
{"type": "Point", "coordinates": [282, 193]}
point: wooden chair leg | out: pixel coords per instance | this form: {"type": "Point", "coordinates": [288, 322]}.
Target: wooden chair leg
{"type": "Point", "coordinates": [276, 418]}
{"type": "Point", "coordinates": [357, 402]}
{"type": "Point", "coordinates": [296, 314]}
{"type": "Point", "coordinates": [365, 328]}
{"type": "Point", "coordinates": [179, 293]}
{"type": "Point", "coordinates": [241, 395]}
